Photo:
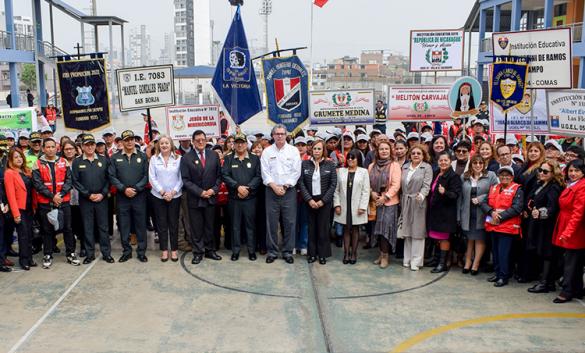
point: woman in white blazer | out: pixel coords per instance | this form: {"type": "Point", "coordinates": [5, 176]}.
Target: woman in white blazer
{"type": "Point", "coordinates": [350, 201]}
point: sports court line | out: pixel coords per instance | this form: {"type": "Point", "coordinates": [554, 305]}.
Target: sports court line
{"type": "Point", "coordinates": [231, 288]}
{"type": "Point", "coordinates": [393, 292]}
{"type": "Point", "coordinates": [40, 321]}
{"type": "Point", "coordinates": [320, 311]}
{"type": "Point", "coordinates": [425, 335]}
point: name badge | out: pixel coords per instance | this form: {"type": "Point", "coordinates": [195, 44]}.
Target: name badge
{"type": "Point", "coordinates": [138, 160]}
{"type": "Point", "coordinates": [234, 166]}
{"type": "Point", "coordinates": [82, 166]}
{"type": "Point", "coordinates": [119, 160]}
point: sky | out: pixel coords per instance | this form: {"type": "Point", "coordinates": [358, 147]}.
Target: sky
{"type": "Point", "coordinates": [341, 27]}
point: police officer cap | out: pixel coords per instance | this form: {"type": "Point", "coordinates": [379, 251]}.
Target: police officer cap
{"type": "Point", "coordinates": [240, 137]}
{"type": "Point", "coordinates": [35, 136]}
{"type": "Point", "coordinates": [126, 134]}
{"type": "Point", "coordinates": [87, 138]}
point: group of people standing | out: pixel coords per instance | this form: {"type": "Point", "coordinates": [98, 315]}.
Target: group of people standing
{"type": "Point", "coordinates": [430, 200]}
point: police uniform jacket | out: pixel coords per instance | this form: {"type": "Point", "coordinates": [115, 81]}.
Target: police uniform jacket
{"type": "Point", "coordinates": [245, 172]}
{"type": "Point", "coordinates": [128, 172]}
{"type": "Point", "coordinates": [91, 177]}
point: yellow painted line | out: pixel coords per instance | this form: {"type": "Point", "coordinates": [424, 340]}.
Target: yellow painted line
{"type": "Point", "coordinates": [423, 336]}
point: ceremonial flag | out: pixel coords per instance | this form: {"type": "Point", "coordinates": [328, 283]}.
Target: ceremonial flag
{"type": "Point", "coordinates": [287, 86]}
{"type": "Point", "coordinates": [320, 3]}
{"type": "Point", "coordinates": [508, 81]}
{"type": "Point", "coordinates": [234, 80]}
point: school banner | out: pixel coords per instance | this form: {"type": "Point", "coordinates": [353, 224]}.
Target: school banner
{"type": "Point", "coordinates": [508, 81]}
{"type": "Point", "coordinates": [419, 103]}
{"type": "Point", "coordinates": [465, 97]}
{"type": "Point", "coordinates": [287, 91]}
{"type": "Point", "coordinates": [342, 107]}
{"type": "Point", "coordinates": [437, 50]}
{"type": "Point", "coordinates": [566, 112]}
{"type": "Point", "coordinates": [145, 87]}
{"type": "Point", "coordinates": [18, 120]}
{"type": "Point", "coordinates": [532, 106]}
{"type": "Point", "coordinates": [84, 94]}
{"type": "Point", "coordinates": [549, 52]}
{"type": "Point", "coordinates": [183, 121]}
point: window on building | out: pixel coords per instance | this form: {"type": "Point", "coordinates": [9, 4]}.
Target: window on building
{"type": "Point", "coordinates": [524, 21]}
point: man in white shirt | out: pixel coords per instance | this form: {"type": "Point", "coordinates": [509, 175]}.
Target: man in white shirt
{"type": "Point", "coordinates": [281, 169]}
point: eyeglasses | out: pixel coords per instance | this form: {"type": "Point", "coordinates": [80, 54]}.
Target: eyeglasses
{"type": "Point", "coordinates": [462, 151]}
{"type": "Point", "coordinates": [571, 155]}
{"type": "Point", "coordinates": [543, 171]}
{"type": "Point", "coordinates": [279, 134]}
{"type": "Point", "coordinates": [477, 163]}
{"type": "Point", "coordinates": [349, 158]}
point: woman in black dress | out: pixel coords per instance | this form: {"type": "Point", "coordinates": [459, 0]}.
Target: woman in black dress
{"type": "Point", "coordinates": [540, 216]}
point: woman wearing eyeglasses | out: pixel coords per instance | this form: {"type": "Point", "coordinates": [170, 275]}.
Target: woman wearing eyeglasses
{"type": "Point", "coordinates": [417, 176]}
{"type": "Point", "coordinates": [503, 207]}
{"type": "Point", "coordinates": [540, 216]}
{"type": "Point", "coordinates": [351, 203]}
{"type": "Point", "coordinates": [477, 182]}
{"type": "Point", "coordinates": [569, 232]}
{"type": "Point", "coordinates": [385, 185]}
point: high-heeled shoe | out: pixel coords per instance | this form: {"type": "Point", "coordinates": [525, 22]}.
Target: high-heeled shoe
{"type": "Point", "coordinates": [345, 260]}
{"type": "Point", "coordinates": [322, 261]}
{"type": "Point", "coordinates": [465, 271]}
{"type": "Point", "coordinates": [352, 261]}
{"type": "Point", "coordinates": [561, 300]}
{"type": "Point", "coordinates": [474, 272]}
{"type": "Point", "coordinates": [174, 256]}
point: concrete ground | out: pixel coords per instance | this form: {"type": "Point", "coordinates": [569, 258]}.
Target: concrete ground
{"type": "Point", "coordinates": [256, 307]}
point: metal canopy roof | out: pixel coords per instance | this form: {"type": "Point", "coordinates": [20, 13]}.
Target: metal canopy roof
{"type": "Point", "coordinates": [195, 72]}
{"type": "Point", "coordinates": [82, 17]}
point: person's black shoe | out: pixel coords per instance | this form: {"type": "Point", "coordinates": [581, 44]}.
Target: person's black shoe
{"type": "Point", "coordinates": [11, 253]}
{"type": "Point", "coordinates": [235, 257]}
{"type": "Point", "coordinates": [32, 263]}
{"type": "Point", "coordinates": [142, 258]}
{"type": "Point", "coordinates": [82, 253]}
{"type": "Point", "coordinates": [311, 259]}
{"type": "Point", "coordinates": [196, 259]}
{"type": "Point", "coordinates": [212, 255]}
{"type": "Point", "coordinates": [322, 260]}
{"type": "Point", "coordinates": [125, 257]}
{"type": "Point", "coordinates": [345, 260]}
{"type": "Point", "coordinates": [520, 279]}
{"type": "Point", "coordinates": [338, 242]}
{"type": "Point", "coordinates": [252, 257]}
{"type": "Point", "coordinates": [149, 227]}
{"type": "Point", "coordinates": [561, 300]}
{"type": "Point", "coordinates": [270, 259]}
{"type": "Point", "coordinates": [440, 268]}
{"type": "Point", "coordinates": [474, 272]}
{"type": "Point", "coordinates": [465, 271]}
{"type": "Point", "coordinates": [500, 282]}
{"type": "Point", "coordinates": [492, 278]}
{"type": "Point", "coordinates": [109, 259]}
{"type": "Point", "coordinates": [88, 260]}
{"type": "Point", "coordinates": [541, 287]}
{"type": "Point", "coordinates": [289, 259]}
{"type": "Point", "coordinates": [5, 269]}
{"type": "Point", "coordinates": [25, 267]}
{"type": "Point", "coordinates": [56, 250]}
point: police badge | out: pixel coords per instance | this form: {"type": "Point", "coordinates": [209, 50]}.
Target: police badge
{"type": "Point", "coordinates": [84, 97]}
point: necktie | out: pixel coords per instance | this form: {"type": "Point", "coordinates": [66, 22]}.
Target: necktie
{"type": "Point", "coordinates": [202, 154]}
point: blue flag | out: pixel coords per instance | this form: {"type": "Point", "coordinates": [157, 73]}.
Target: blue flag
{"type": "Point", "coordinates": [234, 80]}
{"type": "Point", "coordinates": [287, 91]}
{"type": "Point", "coordinates": [508, 82]}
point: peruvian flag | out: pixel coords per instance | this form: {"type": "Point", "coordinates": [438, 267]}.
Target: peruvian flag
{"type": "Point", "coordinates": [320, 3]}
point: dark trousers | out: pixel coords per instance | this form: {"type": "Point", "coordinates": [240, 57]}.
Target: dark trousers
{"type": "Point", "coordinates": [48, 231]}
{"type": "Point", "coordinates": [24, 231]}
{"type": "Point", "coordinates": [77, 220]}
{"type": "Point", "coordinates": [95, 215]}
{"type": "Point", "coordinates": [243, 212]}
{"type": "Point", "coordinates": [167, 222]}
{"type": "Point", "coordinates": [501, 247]}
{"type": "Point", "coordinates": [573, 273]}
{"type": "Point", "coordinates": [201, 219]}
{"type": "Point", "coordinates": [319, 227]}
{"type": "Point", "coordinates": [284, 209]}
{"type": "Point", "coordinates": [132, 211]}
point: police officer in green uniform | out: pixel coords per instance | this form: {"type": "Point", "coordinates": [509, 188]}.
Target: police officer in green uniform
{"type": "Point", "coordinates": [34, 151]}
{"type": "Point", "coordinates": [241, 174]}
{"type": "Point", "coordinates": [91, 180]}
{"type": "Point", "coordinates": [129, 175]}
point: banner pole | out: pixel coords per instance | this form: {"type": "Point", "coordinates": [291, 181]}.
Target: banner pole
{"type": "Point", "coordinates": [149, 124]}
{"type": "Point", "coordinates": [505, 126]}
{"type": "Point", "coordinates": [532, 115]}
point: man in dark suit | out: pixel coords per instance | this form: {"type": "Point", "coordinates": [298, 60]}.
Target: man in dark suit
{"type": "Point", "coordinates": [504, 154]}
{"type": "Point", "coordinates": [201, 170]}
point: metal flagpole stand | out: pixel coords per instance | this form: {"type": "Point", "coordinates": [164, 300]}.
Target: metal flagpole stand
{"type": "Point", "coordinates": [532, 117]}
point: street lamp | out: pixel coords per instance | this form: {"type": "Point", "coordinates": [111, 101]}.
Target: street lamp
{"type": "Point", "coordinates": [236, 2]}
{"type": "Point", "coordinates": [265, 11]}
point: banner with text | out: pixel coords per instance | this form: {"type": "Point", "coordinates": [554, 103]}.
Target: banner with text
{"type": "Point", "coordinates": [566, 112]}
{"type": "Point", "coordinates": [548, 51]}
{"type": "Point", "coordinates": [419, 103]}
{"type": "Point", "coordinates": [532, 105]}
{"type": "Point", "coordinates": [343, 107]}
{"type": "Point", "coordinates": [438, 50]}
{"type": "Point", "coordinates": [183, 121]}
{"type": "Point", "coordinates": [18, 120]}
{"type": "Point", "coordinates": [145, 87]}
{"type": "Point", "coordinates": [84, 94]}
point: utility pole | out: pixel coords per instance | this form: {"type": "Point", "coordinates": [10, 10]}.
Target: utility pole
{"type": "Point", "coordinates": [266, 10]}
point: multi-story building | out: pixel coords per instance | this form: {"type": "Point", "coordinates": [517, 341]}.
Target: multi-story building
{"type": "Point", "coordinates": [488, 16]}
{"type": "Point", "coordinates": [192, 32]}
{"type": "Point", "coordinates": [167, 53]}
{"type": "Point", "coordinates": [139, 47]}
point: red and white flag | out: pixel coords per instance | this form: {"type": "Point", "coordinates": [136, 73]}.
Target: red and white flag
{"type": "Point", "coordinates": [320, 3]}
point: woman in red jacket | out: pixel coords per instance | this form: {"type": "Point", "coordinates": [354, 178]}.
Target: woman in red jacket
{"type": "Point", "coordinates": [18, 185]}
{"type": "Point", "coordinates": [570, 232]}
